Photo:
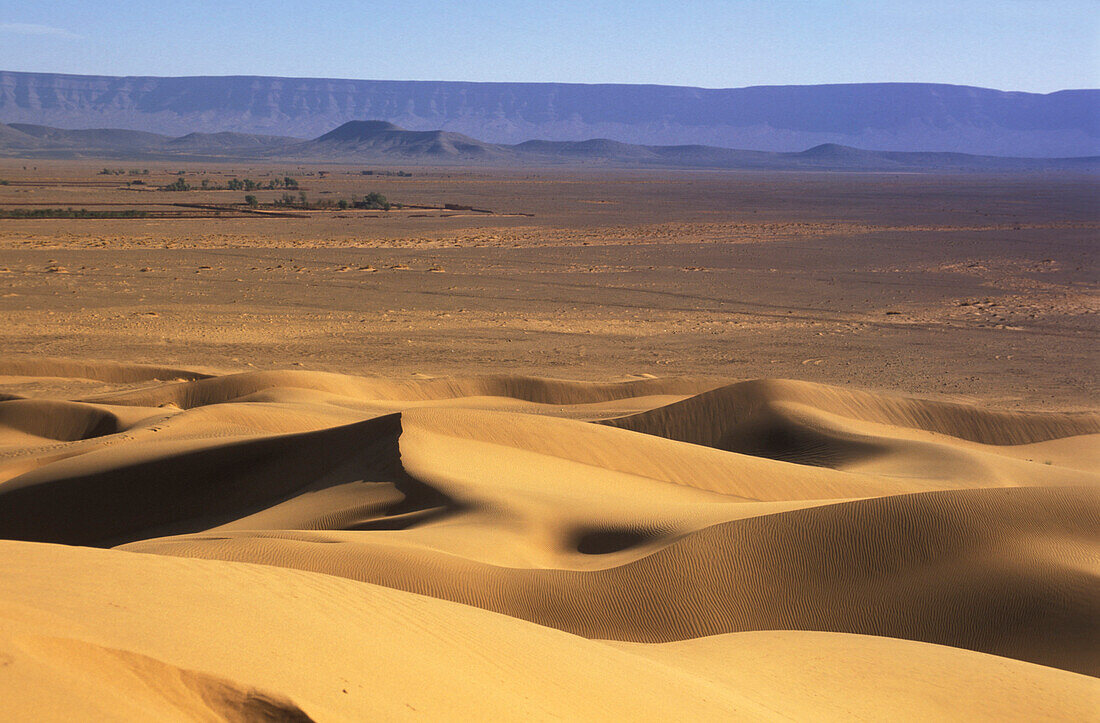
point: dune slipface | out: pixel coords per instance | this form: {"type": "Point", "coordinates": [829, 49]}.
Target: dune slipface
{"type": "Point", "coordinates": [315, 546]}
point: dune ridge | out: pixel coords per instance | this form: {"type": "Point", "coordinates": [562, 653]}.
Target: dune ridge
{"type": "Point", "coordinates": [659, 533]}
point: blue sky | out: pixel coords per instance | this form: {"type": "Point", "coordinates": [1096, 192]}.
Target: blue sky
{"type": "Point", "coordinates": [1032, 45]}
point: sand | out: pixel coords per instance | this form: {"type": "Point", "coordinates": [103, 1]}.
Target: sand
{"type": "Point", "coordinates": [980, 289]}
{"type": "Point", "coordinates": [308, 545]}
{"type": "Point", "coordinates": [638, 445]}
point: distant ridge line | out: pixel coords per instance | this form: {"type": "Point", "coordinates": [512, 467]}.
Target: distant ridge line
{"type": "Point", "coordinates": [374, 141]}
{"type": "Point", "coordinates": [883, 116]}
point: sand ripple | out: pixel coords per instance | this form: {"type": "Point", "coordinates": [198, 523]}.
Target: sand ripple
{"type": "Point", "coordinates": [321, 546]}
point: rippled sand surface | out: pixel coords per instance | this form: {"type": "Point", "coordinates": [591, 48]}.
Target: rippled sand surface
{"type": "Point", "coordinates": [308, 545]}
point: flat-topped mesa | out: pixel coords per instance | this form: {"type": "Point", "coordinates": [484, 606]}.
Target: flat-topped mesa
{"type": "Point", "coordinates": [831, 150]}
{"type": "Point", "coordinates": [379, 139]}
{"type": "Point", "coordinates": [359, 130]}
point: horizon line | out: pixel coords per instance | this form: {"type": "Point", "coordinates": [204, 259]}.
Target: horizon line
{"type": "Point", "coordinates": [549, 82]}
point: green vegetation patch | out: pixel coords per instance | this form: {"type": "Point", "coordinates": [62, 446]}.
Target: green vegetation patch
{"type": "Point", "coordinates": [68, 213]}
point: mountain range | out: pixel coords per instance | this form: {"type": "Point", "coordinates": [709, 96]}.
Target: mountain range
{"type": "Point", "coordinates": [880, 116]}
{"type": "Point", "coordinates": [383, 142]}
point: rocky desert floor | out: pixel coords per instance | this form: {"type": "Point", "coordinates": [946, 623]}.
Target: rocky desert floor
{"type": "Point", "coordinates": [976, 288]}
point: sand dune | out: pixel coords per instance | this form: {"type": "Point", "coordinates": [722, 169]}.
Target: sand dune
{"type": "Point", "coordinates": [647, 548]}
{"type": "Point", "coordinates": [110, 635]}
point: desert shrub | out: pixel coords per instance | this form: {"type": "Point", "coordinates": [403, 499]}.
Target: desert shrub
{"type": "Point", "coordinates": [374, 201]}
{"type": "Point", "coordinates": [177, 185]}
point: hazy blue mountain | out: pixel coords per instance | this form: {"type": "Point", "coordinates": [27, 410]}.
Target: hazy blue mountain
{"type": "Point", "coordinates": [880, 116]}
{"type": "Point", "coordinates": [234, 144]}
{"type": "Point", "coordinates": [97, 138]}
{"type": "Point", "coordinates": [368, 139]}
{"type": "Point", "coordinates": [375, 142]}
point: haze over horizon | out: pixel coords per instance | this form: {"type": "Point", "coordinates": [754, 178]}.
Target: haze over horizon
{"type": "Point", "coordinates": [1016, 46]}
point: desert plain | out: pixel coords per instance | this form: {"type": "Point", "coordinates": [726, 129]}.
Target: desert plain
{"type": "Point", "coordinates": [548, 443]}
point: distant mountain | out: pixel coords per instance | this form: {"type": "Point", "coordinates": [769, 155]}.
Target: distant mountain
{"type": "Point", "coordinates": [379, 139]}
{"type": "Point", "coordinates": [22, 139]}
{"type": "Point", "coordinates": [12, 139]}
{"type": "Point", "coordinates": [105, 138]}
{"type": "Point", "coordinates": [882, 116]}
{"type": "Point", "coordinates": [382, 142]}
{"type": "Point", "coordinates": [356, 131]}
{"type": "Point", "coordinates": [227, 143]}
